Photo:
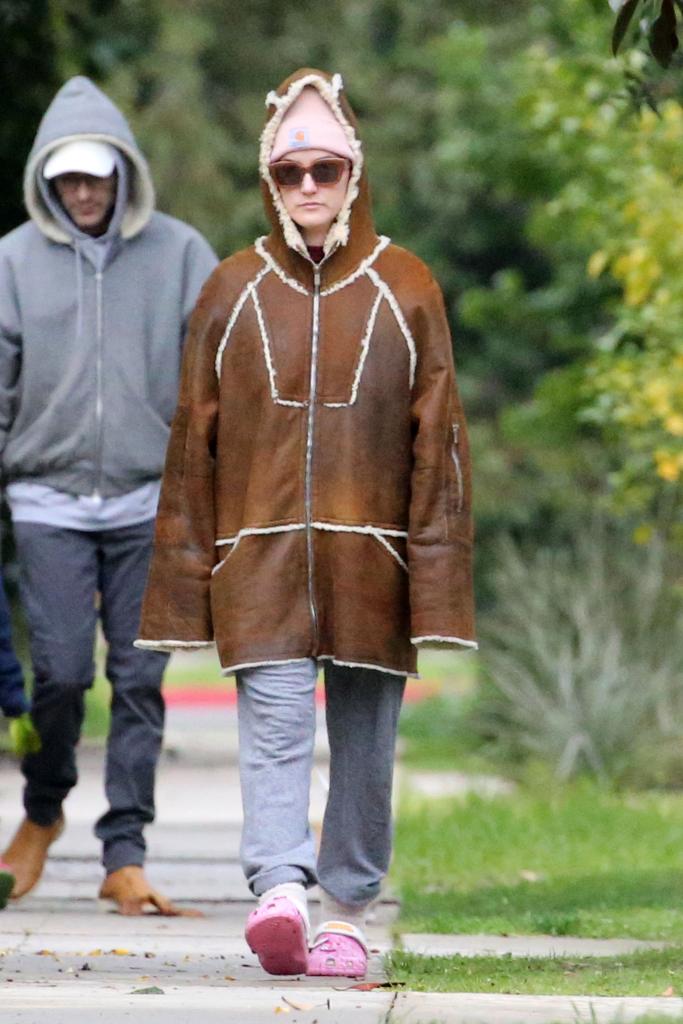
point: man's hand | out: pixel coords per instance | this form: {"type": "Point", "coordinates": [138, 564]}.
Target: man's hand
{"type": "Point", "coordinates": [24, 736]}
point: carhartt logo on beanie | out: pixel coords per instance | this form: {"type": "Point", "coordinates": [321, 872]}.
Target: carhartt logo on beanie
{"type": "Point", "coordinates": [310, 124]}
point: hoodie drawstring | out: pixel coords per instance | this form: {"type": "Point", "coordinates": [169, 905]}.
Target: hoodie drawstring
{"type": "Point", "coordinates": [79, 288]}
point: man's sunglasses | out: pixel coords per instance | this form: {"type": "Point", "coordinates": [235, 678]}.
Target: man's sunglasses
{"type": "Point", "coordinates": [326, 172]}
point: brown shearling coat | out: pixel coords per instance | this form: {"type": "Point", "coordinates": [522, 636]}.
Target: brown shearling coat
{"type": "Point", "coordinates": [316, 496]}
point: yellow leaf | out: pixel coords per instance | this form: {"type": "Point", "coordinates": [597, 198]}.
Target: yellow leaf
{"type": "Point", "coordinates": [597, 263]}
{"type": "Point", "coordinates": [674, 424]}
{"type": "Point", "coordinates": [643, 534]}
{"type": "Point", "coordinates": [667, 466]}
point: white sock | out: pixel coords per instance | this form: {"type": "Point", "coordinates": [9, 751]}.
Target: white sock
{"type": "Point", "coordinates": [333, 910]}
{"type": "Point", "coordinates": [295, 892]}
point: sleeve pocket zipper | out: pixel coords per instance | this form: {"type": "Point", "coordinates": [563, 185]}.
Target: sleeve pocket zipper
{"type": "Point", "coordinates": [455, 427]}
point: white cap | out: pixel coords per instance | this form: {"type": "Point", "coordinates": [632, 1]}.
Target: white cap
{"type": "Point", "coordinates": [82, 157]}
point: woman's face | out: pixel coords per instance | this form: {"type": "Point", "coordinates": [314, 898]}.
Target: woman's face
{"type": "Point", "coordinates": [314, 206]}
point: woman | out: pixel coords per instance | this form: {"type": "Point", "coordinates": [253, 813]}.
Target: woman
{"type": "Point", "coordinates": [315, 511]}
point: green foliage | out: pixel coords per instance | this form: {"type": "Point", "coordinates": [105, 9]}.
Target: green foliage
{"type": "Point", "coordinates": [659, 21]}
{"type": "Point", "coordinates": [583, 656]}
{"type": "Point", "coordinates": [28, 76]}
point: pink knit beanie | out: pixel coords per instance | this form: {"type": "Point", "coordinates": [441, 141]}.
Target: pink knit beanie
{"type": "Point", "coordinates": [310, 124]}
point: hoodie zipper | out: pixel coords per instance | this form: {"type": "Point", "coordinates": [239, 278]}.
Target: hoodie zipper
{"type": "Point", "coordinates": [315, 331]}
{"type": "Point", "coordinates": [99, 401]}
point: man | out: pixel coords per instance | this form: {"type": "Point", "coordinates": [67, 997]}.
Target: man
{"type": "Point", "coordinates": [95, 292]}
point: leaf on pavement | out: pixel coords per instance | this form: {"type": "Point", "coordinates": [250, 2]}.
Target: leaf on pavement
{"type": "Point", "coordinates": [153, 990]}
{"type": "Point", "coordinates": [297, 1006]}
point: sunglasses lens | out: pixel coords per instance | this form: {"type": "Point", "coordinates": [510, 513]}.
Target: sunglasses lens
{"type": "Point", "coordinates": [323, 172]}
{"type": "Point", "coordinates": [287, 175]}
{"type": "Point", "coordinates": [327, 172]}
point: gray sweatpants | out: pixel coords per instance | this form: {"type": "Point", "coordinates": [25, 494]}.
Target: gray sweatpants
{"type": "Point", "coordinates": [62, 574]}
{"type": "Point", "coordinates": [276, 706]}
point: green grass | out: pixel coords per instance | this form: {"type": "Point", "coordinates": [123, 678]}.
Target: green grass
{"type": "Point", "coordinates": [600, 864]}
{"type": "Point", "coordinates": [648, 973]}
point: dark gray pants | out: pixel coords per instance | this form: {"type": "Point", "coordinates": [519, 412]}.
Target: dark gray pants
{"type": "Point", "coordinates": [62, 573]}
{"type": "Point", "coordinates": [276, 705]}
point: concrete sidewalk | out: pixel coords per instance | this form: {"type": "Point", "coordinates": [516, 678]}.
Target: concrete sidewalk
{"type": "Point", "coordinates": [66, 958]}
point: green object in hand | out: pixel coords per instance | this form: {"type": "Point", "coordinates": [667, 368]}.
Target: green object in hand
{"type": "Point", "coordinates": [24, 735]}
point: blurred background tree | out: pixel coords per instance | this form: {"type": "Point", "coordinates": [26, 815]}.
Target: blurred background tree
{"type": "Point", "coordinates": [539, 177]}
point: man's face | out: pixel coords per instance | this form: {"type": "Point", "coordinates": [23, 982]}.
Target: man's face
{"type": "Point", "coordinates": [88, 200]}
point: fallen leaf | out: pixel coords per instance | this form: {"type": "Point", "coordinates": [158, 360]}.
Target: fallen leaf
{"type": "Point", "coordinates": [229, 977]}
{"type": "Point", "coordinates": [120, 952]}
{"type": "Point", "coordinates": [282, 1009]}
{"type": "Point", "coordinates": [368, 986]}
{"type": "Point", "coordinates": [86, 967]}
{"type": "Point", "coordinates": [149, 956]}
{"type": "Point", "coordinates": [151, 991]}
{"type": "Point", "coordinates": [45, 952]}
{"type": "Point", "coordinates": [95, 952]}
{"type": "Point", "coordinates": [297, 1006]}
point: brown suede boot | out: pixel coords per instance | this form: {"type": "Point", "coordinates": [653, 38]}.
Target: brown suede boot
{"type": "Point", "coordinates": [27, 853]}
{"type": "Point", "coordinates": [132, 893]}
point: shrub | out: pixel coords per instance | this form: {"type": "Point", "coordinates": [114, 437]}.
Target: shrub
{"type": "Point", "coordinates": [582, 657]}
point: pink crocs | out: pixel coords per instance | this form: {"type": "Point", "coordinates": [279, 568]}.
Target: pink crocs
{"type": "Point", "coordinates": [276, 932]}
{"type": "Point", "coordinates": [338, 951]}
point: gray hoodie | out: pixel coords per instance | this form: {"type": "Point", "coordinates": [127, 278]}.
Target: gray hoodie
{"type": "Point", "coordinates": [91, 330]}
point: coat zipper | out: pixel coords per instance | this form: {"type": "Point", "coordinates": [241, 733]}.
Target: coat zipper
{"type": "Point", "coordinates": [456, 462]}
{"type": "Point", "coordinates": [309, 456]}
{"type": "Point", "coordinates": [99, 403]}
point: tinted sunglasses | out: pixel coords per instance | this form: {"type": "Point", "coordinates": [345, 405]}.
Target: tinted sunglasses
{"type": "Point", "coordinates": [325, 172]}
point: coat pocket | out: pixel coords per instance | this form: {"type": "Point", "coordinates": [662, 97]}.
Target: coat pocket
{"type": "Point", "coordinates": [225, 549]}
{"type": "Point", "coordinates": [394, 546]}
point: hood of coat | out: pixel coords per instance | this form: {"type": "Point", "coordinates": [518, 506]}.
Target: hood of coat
{"type": "Point", "coordinates": [352, 236]}
{"type": "Point", "coordinates": [81, 111]}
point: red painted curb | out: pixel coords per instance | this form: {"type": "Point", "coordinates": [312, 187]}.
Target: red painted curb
{"type": "Point", "coordinates": [214, 697]}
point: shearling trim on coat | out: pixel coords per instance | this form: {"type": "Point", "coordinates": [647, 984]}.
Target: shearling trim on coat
{"type": "Point", "coordinates": [276, 268]}
{"type": "Point", "coordinates": [329, 91]}
{"type": "Point", "coordinates": [372, 667]}
{"type": "Point", "coordinates": [400, 319]}
{"type": "Point", "coordinates": [237, 309]}
{"type": "Point", "coordinates": [361, 269]}
{"type": "Point", "coordinates": [172, 645]}
{"type": "Point", "coordinates": [445, 640]}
